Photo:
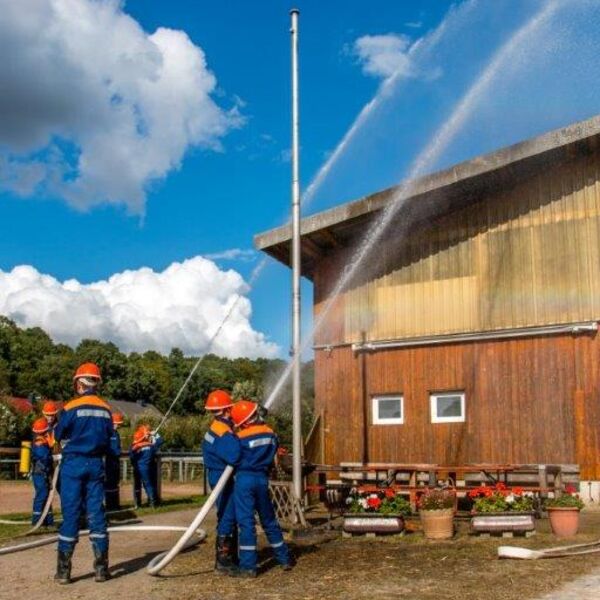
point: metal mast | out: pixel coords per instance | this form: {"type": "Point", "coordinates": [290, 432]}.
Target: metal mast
{"type": "Point", "coordinates": [296, 349]}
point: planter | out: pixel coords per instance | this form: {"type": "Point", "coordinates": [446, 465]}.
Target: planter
{"type": "Point", "coordinates": [372, 523]}
{"type": "Point", "coordinates": [503, 522]}
{"type": "Point", "coordinates": [564, 520]}
{"type": "Point", "coordinates": [437, 524]}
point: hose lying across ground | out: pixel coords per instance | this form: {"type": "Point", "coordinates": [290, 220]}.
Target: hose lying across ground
{"type": "Point", "coordinates": [192, 534]}
{"type": "Point", "coordinates": [556, 552]}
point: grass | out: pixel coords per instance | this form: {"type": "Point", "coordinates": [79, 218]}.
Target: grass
{"type": "Point", "coordinates": [8, 532]}
{"type": "Point", "coordinates": [464, 568]}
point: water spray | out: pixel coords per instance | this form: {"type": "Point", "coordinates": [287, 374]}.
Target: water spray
{"type": "Point", "coordinates": [424, 161]}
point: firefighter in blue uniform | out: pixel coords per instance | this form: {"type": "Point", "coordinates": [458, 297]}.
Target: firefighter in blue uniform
{"type": "Point", "coordinates": [258, 445]}
{"type": "Point", "coordinates": [220, 448]}
{"type": "Point", "coordinates": [143, 460]}
{"type": "Point", "coordinates": [42, 469]}
{"type": "Point", "coordinates": [112, 466]}
{"type": "Point", "coordinates": [84, 432]}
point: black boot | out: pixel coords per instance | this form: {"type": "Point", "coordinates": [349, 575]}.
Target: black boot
{"type": "Point", "coordinates": [100, 566]}
{"type": "Point", "coordinates": [223, 551]}
{"type": "Point", "coordinates": [63, 567]}
{"type": "Point", "coordinates": [234, 548]}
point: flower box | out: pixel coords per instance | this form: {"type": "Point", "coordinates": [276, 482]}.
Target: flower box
{"type": "Point", "coordinates": [503, 522]}
{"type": "Point", "coordinates": [372, 523]}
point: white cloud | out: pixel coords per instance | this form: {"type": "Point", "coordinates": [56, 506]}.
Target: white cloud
{"type": "Point", "coordinates": [414, 24]}
{"type": "Point", "coordinates": [384, 55]}
{"type": "Point", "coordinates": [140, 310]}
{"type": "Point", "coordinates": [94, 109]}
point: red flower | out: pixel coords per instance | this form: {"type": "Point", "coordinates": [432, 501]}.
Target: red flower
{"type": "Point", "coordinates": [518, 491]}
{"type": "Point", "coordinates": [373, 503]}
{"type": "Point", "coordinates": [500, 486]}
{"type": "Point", "coordinates": [389, 493]}
{"type": "Point", "coordinates": [487, 492]}
{"type": "Point", "coordinates": [570, 489]}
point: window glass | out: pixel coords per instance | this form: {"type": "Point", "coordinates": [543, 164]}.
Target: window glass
{"type": "Point", "coordinates": [388, 410]}
{"type": "Point", "coordinates": [449, 406]}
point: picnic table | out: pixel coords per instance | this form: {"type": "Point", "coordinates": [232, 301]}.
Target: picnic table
{"type": "Point", "coordinates": [414, 479]}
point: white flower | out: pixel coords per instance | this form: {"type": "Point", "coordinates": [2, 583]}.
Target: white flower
{"type": "Point", "coordinates": [363, 502]}
{"type": "Point", "coordinates": [510, 498]}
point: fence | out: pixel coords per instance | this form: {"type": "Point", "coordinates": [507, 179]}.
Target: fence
{"type": "Point", "coordinates": [180, 467]}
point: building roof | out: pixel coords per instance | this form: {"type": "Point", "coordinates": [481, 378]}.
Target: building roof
{"type": "Point", "coordinates": [22, 405]}
{"type": "Point", "coordinates": [133, 410]}
{"type": "Point", "coordinates": [433, 195]}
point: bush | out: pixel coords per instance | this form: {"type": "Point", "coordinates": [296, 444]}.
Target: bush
{"type": "Point", "coordinates": [14, 426]}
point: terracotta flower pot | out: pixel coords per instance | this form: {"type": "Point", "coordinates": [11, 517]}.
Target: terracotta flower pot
{"type": "Point", "coordinates": [564, 520]}
{"type": "Point", "coordinates": [437, 524]}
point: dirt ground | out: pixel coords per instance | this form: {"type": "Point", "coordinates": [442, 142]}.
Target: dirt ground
{"type": "Point", "coordinates": [328, 566]}
{"type": "Point", "coordinates": [17, 496]}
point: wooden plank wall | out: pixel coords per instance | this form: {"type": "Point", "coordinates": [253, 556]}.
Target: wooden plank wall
{"type": "Point", "coordinates": [521, 257]}
{"type": "Point", "coordinates": [533, 400]}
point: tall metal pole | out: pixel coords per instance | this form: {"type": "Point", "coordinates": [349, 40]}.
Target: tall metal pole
{"type": "Point", "coordinates": [296, 358]}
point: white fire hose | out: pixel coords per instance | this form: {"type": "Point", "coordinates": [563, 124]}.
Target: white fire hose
{"type": "Point", "coordinates": [159, 562]}
{"type": "Point", "coordinates": [556, 552]}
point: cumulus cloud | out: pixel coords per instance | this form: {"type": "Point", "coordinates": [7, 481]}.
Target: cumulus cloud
{"type": "Point", "coordinates": [384, 55]}
{"type": "Point", "coordinates": [94, 109]}
{"type": "Point", "coordinates": [141, 310]}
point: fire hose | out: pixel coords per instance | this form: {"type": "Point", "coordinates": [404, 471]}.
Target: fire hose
{"type": "Point", "coordinates": [556, 552]}
{"type": "Point", "coordinates": [159, 562]}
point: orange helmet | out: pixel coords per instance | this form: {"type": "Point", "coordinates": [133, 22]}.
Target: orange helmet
{"type": "Point", "coordinates": [141, 433]}
{"type": "Point", "coordinates": [117, 418]}
{"type": "Point", "coordinates": [242, 411]}
{"type": "Point", "coordinates": [40, 426]}
{"type": "Point", "coordinates": [88, 371]}
{"type": "Point", "coordinates": [218, 400]}
{"type": "Point", "coordinates": [50, 408]}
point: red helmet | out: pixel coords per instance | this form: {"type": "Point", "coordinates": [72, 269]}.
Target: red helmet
{"type": "Point", "coordinates": [40, 426]}
{"type": "Point", "coordinates": [88, 371]}
{"type": "Point", "coordinates": [218, 400]}
{"type": "Point", "coordinates": [242, 411]}
{"type": "Point", "coordinates": [117, 418]}
{"type": "Point", "coordinates": [141, 433]}
{"type": "Point", "coordinates": [50, 408]}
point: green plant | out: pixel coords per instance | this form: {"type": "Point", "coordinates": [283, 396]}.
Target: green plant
{"type": "Point", "coordinates": [568, 499]}
{"type": "Point", "coordinates": [499, 498]}
{"type": "Point", "coordinates": [384, 502]}
{"type": "Point", "coordinates": [437, 499]}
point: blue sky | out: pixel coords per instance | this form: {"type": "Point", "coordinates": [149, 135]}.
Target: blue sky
{"type": "Point", "coordinates": [235, 182]}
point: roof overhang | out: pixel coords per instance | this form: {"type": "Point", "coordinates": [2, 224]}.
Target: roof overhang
{"type": "Point", "coordinates": [433, 195]}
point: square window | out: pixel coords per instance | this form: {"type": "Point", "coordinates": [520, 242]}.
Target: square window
{"type": "Point", "coordinates": [447, 407]}
{"type": "Point", "coordinates": [388, 410]}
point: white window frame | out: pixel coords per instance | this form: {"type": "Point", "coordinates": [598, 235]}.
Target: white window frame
{"type": "Point", "coordinates": [375, 409]}
{"type": "Point", "coordinates": [433, 398]}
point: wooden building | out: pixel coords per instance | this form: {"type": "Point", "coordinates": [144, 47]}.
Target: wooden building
{"type": "Point", "coordinates": [471, 335]}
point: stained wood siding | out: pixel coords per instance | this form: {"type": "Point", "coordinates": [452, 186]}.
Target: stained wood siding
{"type": "Point", "coordinates": [522, 257]}
{"type": "Point", "coordinates": [533, 400]}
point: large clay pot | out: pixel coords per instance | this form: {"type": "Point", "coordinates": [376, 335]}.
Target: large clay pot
{"type": "Point", "coordinates": [564, 520]}
{"type": "Point", "coordinates": [438, 524]}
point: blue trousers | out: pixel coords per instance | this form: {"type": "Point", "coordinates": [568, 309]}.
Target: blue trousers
{"type": "Point", "coordinates": [111, 484]}
{"type": "Point", "coordinates": [251, 493]}
{"type": "Point", "coordinates": [226, 524]}
{"type": "Point", "coordinates": [147, 473]}
{"type": "Point", "coordinates": [82, 489]}
{"type": "Point", "coordinates": [41, 485]}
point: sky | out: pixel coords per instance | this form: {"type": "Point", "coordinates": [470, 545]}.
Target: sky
{"type": "Point", "coordinates": [144, 143]}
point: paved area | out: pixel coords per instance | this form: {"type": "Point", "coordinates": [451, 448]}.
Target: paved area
{"type": "Point", "coordinates": [583, 588]}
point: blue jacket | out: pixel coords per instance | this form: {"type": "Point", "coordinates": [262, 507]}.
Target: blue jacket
{"type": "Point", "coordinates": [220, 446]}
{"type": "Point", "coordinates": [41, 456]}
{"type": "Point", "coordinates": [143, 455]}
{"type": "Point", "coordinates": [115, 444]}
{"type": "Point", "coordinates": [85, 427]}
{"type": "Point", "coordinates": [259, 445]}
